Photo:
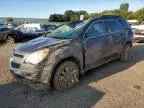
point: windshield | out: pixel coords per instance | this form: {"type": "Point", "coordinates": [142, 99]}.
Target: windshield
{"type": "Point", "coordinates": [68, 31]}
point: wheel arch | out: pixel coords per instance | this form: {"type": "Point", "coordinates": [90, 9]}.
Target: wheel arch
{"type": "Point", "coordinates": [129, 42]}
{"type": "Point", "coordinates": [70, 58]}
{"type": "Point", "coordinates": [126, 43]}
{"type": "Point", "coordinates": [9, 34]}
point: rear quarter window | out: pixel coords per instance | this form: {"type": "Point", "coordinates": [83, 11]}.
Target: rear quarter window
{"type": "Point", "coordinates": [124, 23]}
{"type": "Point", "coordinates": [114, 26]}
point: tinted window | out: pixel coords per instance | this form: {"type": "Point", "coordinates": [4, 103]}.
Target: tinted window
{"type": "Point", "coordinates": [114, 26]}
{"type": "Point", "coordinates": [124, 24]}
{"type": "Point", "coordinates": [97, 29]}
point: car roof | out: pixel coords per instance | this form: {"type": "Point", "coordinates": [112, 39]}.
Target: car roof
{"type": "Point", "coordinates": [108, 17]}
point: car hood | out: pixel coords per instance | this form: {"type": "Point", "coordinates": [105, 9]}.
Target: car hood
{"type": "Point", "coordinates": [38, 43]}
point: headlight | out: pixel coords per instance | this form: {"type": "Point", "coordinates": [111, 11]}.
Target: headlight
{"type": "Point", "coordinates": [37, 57]}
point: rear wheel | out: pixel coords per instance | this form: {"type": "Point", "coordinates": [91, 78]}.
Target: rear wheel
{"type": "Point", "coordinates": [10, 40]}
{"type": "Point", "coordinates": [126, 54]}
{"type": "Point", "coordinates": [66, 76]}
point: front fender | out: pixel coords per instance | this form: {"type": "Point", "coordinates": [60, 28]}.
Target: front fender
{"type": "Point", "coordinates": [56, 57]}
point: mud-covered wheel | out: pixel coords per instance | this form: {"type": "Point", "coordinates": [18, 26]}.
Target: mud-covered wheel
{"type": "Point", "coordinates": [66, 76]}
{"type": "Point", "coordinates": [126, 54]}
{"type": "Point", "coordinates": [10, 40]}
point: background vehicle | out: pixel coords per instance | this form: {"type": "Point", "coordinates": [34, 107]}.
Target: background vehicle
{"type": "Point", "coordinates": [58, 59]}
{"type": "Point", "coordinates": [138, 31]}
{"type": "Point", "coordinates": [139, 27]}
{"type": "Point", "coordinates": [20, 34]}
{"type": "Point", "coordinates": [32, 27]}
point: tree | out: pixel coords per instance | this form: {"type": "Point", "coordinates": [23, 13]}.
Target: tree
{"type": "Point", "coordinates": [131, 15]}
{"type": "Point", "coordinates": [9, 20]}
{"type": "Point", "coordinates": [75, 17]}
{"type": "Point", "coordinates": [111, 12]}
{"type": "Point", "coordinates": [124, 14]}
{"type": "Point", "coordinates": [94, 15]}
{"type": "Point", "coordinates": [51, 18]}
{"type": "Point", "coordinates": [140, 15]}
{"type": "Point", "coordinates": [86, 16]}
{"type": "Point", "coordinates": [71, 15]}
{"type": "Point", "coordinates": [56, 18]}
{"type": "Point", "coordinates": [124, 7]}
{"type": "Point", "coordinates": [80, 12]}
{"type": "Point", "coordinates": [68, 14]}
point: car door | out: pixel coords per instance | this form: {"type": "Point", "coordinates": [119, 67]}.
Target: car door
{"type": "Point", "coordinates": [95, 44]}
{"type": "Point", "coordinates": [115, 35]}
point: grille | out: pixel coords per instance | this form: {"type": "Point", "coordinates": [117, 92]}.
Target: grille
{"type": "Point", "coordinates": [15, 65]}
{"type": "Point", "coordinates": [18, 55]}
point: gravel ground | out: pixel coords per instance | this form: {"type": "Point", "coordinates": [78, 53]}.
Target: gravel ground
{"type": "Point", "coordinates": [114, 85]}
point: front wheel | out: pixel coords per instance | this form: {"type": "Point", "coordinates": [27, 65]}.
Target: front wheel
{"type": "Point", "coordinates": [126, 54]}
{"type": "Point", "coordinates": [66, 76]}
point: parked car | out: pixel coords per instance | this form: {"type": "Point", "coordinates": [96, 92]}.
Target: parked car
{"type": "Point", "coordinates": [138, 31]}
{"type": "Point", "coordinates": [11, 36]}
{"type": "Point", "coordinates": [138, 27]}
{"type": "Point", "coordinates": [58, 59]}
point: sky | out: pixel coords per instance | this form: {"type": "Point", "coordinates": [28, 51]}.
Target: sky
{"type": "Point", "coordinates": [43, 8]}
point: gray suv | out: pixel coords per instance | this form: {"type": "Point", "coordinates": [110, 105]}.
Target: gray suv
{"type": "Point", "coordinates": [57, 60]}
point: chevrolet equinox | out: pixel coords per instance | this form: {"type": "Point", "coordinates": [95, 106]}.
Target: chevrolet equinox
{"type": "Point", "coordinates": [57, 60]}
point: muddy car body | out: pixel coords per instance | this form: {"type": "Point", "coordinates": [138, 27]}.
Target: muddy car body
{"type": "Point", "coordinates": [58, 60]}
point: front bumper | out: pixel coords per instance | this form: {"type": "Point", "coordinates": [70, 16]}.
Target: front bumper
{"type": "Point", "coordinates": [28, 74]}
{"type": "Point", "coordinates": [30, 83]}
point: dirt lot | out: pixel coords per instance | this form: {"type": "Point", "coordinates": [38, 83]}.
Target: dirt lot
{"type": "Point", "coordinates": [114, 85]}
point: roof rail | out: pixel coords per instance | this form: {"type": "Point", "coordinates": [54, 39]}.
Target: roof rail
{"type": "Point", "coordinates": [110, 16]}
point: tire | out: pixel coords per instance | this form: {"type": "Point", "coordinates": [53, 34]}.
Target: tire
{"type": "Point", "coordinates": [10, 40]}
{"type": "Point", "coordinates": [126, 54]}
{"type": "Point", "coordinates": [66, 76]}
